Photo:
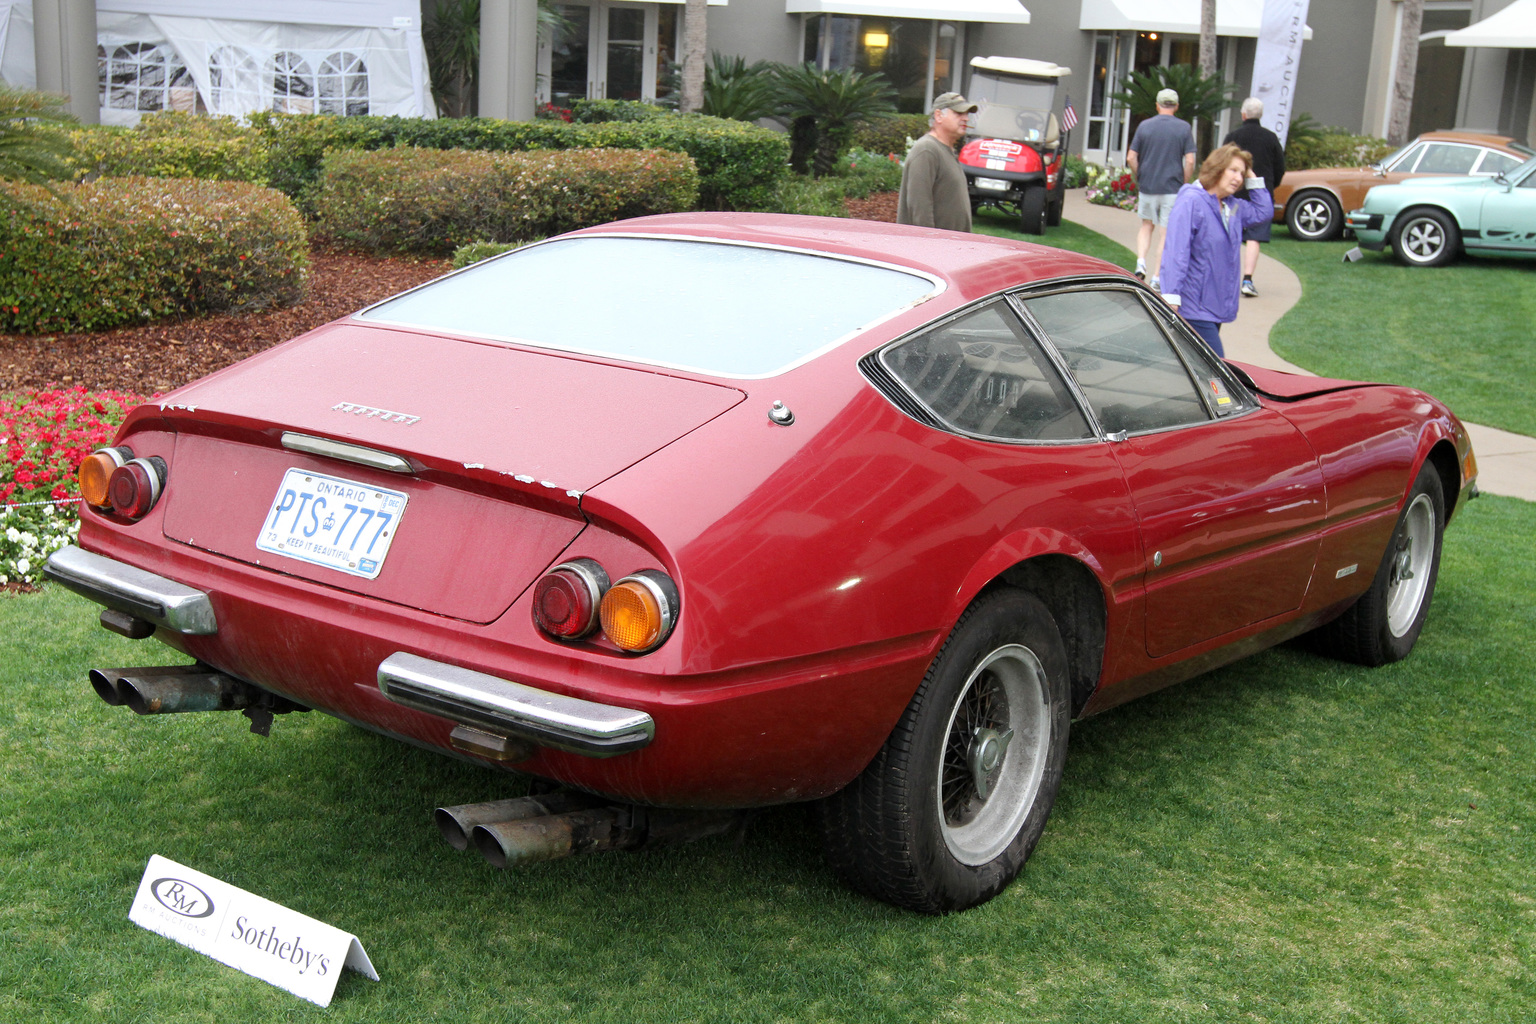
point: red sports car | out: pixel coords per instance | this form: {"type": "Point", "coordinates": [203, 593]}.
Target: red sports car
{"type": "Point", "coordinates": [704, 512]}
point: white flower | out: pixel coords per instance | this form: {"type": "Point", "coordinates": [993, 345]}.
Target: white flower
{"type": "Point", "coordinates": [23, 566]}
{"type": "Point", "coordinates": [13, 535]}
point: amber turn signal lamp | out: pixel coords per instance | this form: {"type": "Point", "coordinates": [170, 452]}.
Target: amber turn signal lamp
{"type": "Point", "coordinates": [639, 611]}
{"type": "Point", "coordinates": [96, 470]}
{"type": "Point", "coordinates": [565, 599]}
{"type": "Point", "coordinates": [135, 486]}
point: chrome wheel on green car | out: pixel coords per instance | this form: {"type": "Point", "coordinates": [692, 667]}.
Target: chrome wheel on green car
{"type": "Point", "coordinates": [1425, 238]}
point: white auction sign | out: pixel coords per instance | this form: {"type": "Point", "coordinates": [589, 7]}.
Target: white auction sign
{"type": "Point", "coordinates": [264, 939]}
{"type": "Point", "coordinates": [1275, 62]}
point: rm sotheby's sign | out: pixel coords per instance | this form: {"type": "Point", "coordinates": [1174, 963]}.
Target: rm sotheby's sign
{"type": "Point", "coordinates": [250, 934]}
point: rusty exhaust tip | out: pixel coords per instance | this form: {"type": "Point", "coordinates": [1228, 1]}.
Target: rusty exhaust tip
{"type": "Point", "coordinates": [456, 823]}
{"type": "Point", "coordinates": [105, 682]}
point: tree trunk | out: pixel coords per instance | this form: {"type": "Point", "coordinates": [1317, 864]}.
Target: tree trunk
{"type": "Point", "coordinates": [1407, 70]}
{"type": "Point", "coordinates": [1206, 129]}
{"type": "Point", "coordinates": [695, 53]}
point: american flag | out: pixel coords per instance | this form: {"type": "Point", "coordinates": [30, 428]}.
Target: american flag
{"type": "Point", "coordinates": [1069, 116]}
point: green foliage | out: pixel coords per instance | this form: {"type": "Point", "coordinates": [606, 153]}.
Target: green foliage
{"type": "Point", "coordinates": [890, 134]}
{"type": "Point", "coordinates": [603, 111]}
{"type": "Point", "coordinates": [127, 250]}
{"type": "Point", "coordinates": [739, 165]}
{"type": "Point", "coordinates": [864, 172]}
{"type": "Point", "coordinates": [32, 146]}
{"type": "Point", "coordinates": [1309, 144]}
{"type": "Point", "coordinates": [1200, 98]}
{"type": "Point", "coordinates": [474, 252]}
{"type": "Point", "coordinates": [825, 108]}
{"type": "Point", "coordinates": [173, 144]}
{"type": "Point", "coordinates": [434, 201]}
{"type": "Point", "coordinates": [450, 32]}
{"type": "Point", "coordinates": [1074, 172]}
{"type": "Point", "coordinates": [738, 90]}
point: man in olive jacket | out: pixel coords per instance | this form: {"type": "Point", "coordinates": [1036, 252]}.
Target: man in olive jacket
{"type": "Point", "coordinates": [1269, 164]}
{"type": "Point", "coordinates": [933, 187]}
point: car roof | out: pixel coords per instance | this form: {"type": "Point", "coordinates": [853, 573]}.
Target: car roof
{"type": "Point", "coordinates": [970, 265]}
{"type": "Point", "coordinates": [1480, 138]}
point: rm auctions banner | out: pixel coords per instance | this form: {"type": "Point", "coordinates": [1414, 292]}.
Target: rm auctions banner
{"type": "Point", "coordinates": [250, 934]}
{"type": "Point", "coordinates": [1275, 62]}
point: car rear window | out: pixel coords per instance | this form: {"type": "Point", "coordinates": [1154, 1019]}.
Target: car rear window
{"type": "Point", "coordinates": [721, 308]}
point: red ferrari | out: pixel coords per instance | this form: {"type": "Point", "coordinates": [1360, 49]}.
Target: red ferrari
{"type": "Point", "coordinates": [696, 513]}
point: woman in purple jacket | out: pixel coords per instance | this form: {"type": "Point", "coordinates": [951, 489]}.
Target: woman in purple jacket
{"type": "Point", "coordinates": [1203, 255]}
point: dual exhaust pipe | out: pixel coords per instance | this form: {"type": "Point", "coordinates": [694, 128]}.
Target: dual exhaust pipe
{"type": "Point", "coordinates": [179, 689]}
{"type": "Point", "coordinates": [529, 829]}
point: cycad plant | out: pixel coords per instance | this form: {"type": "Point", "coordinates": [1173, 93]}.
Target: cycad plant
{"type": "Point", "coordinates": [33, 146]}
{"type": "Point", "coordinates": [824, 108]}
{"type": "Point", "coordinates": [738, 90]}
{"type": "Point", "coordinates": [1201, 98]}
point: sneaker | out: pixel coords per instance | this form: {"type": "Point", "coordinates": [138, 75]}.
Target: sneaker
{"type": "Point", "coordinates": [1157, 284]}
{"type": "Point", "coordinates": [1248, 288]}
{"type": "Point", "coordinates": [1141, 270]}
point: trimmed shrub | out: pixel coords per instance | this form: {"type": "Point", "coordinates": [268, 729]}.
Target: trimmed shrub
{"type": "Point", "coordinates": [171, 144]}
{"type": "Point", "coordinates": [127, 250]}
{"type": "Point", "coordinates": [1334, 147]}
{"type": "Point", "coordinates": [864, 173]}
{"type": "Point", "coordinates": [433, 201]}
{"type": "Point", "coordinates": [601, 111]}
{"type": "Point", "coordinates": [739, 165]}
{"type": "Point", "coordinates": [890, 134]}
{"type": "Point", "coordinates": [474, 252]}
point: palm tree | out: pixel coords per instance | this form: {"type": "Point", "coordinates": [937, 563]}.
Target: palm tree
{"type": "Point", "coordinates": [32, 146]}
{"type": "Point", "coordinates": [1407, 70]}
{"type": "Point", "coordinates": [695, 46]}
{"type": "Point", "coordinates": [825, 107]}
{"type": "Point", "coordinates": [738, 90]}
{"type": "Point", "coordinates": [1201, 97]}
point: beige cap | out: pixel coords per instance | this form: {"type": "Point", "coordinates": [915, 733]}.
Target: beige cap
{"type": "Point", "coordinates": [1167, 98]}
{"type": "Point", "coordinates": [954, 101]}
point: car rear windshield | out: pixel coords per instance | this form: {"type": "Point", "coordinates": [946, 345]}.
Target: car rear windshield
{"type": "Point", "coordinates": [721, 308]}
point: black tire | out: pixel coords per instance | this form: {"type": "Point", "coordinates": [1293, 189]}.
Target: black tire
{"type": "Point", "coordinates": [1314, 217]}
{"type": "Point", "coordinates": [949, 810]}
{"type": "Point", "coordinates": [1032, 206]}
{"type": "Point", "coordinates": [1425, 238]}
{"type": "Point", "coordinates": [1054, 207]}
{"type": "Point", "coordinates": [1384, 624]}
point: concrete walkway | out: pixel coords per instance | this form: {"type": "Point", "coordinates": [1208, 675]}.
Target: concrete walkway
{"type": "Point", "coordinates": [1506, 462]}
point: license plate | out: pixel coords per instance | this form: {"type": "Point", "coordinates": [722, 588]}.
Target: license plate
{"type": "Point", "coordinates": [325, 520]}
{"type": "Point", "coordinates": [992, 183]}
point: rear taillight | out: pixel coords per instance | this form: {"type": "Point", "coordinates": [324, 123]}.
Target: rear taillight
{"type": "Point", "coordinates": [640, 610]}
{"type": "Point", "coordinates": [135, 486]}
{"type": "Point", "coordinates": [97, 470]}
{"type": "Point", "coordinates": [565, 599]}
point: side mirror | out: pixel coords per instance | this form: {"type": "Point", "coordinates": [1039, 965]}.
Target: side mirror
{"type": "Point", "coordinates": [1378, 170]}
{"type": "Point", "coordinates": [1498, 176]}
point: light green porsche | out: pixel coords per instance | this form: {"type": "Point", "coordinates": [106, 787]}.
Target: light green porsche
{"type": "Point", "coordinates": [1429, 221]}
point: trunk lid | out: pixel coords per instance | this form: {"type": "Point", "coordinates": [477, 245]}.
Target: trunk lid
{"type": "Point", "coordinates": [501, 443]}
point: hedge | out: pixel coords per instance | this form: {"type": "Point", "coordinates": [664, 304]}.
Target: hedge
{"type": "Point", "coordinates": [890, 134]}
{"type": "Point", "coordinates": [739, 164]}
{"type": "Point", "coordinates": [126, 250]}
{"type": "Point", "coordinates": [1333, 147]}
{"type": "Point", "coordinates": [433, 201]}
{"type": "Point", "coordinates": [173, 145]}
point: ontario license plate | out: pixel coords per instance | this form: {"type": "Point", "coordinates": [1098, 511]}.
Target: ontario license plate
{"type": "Point", "coordinates": [995, 184]}
{"type": "Point", "coordinates": [325, 520]}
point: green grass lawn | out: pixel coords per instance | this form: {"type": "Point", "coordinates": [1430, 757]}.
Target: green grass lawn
{"type": "Point", "coordinates": [1288, 839]}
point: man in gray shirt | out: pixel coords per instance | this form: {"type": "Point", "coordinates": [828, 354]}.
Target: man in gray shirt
{"type": "Point", "coordinates": [1162, 156]}
{"type": "Point", "coordinates": [933, 187]}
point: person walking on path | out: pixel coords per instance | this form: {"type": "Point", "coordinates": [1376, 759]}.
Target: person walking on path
{"type": "Point", "coordinates": [1269, 164]}
{"type": "Point", "coordinates": [934, 193]}
{"type": "Point", "coordinates": [1162, 156]}
{"type": "Point", "coordinates": [1202, 257]}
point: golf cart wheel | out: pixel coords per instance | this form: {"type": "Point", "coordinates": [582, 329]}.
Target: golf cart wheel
{"type": "Point", "coordinates": [1032, 209]}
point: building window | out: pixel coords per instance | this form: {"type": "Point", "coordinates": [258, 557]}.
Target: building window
{"type": "Point", "coordinates": [916, 56]}
{"type": "Point", "coordinates": [343, 85]}
{"type": "Point", "coordinates": [234, 82]}
{"type": "Point", "coordinates": [144, 77]}
{"type": "Point", "coordinates": [293, 87]}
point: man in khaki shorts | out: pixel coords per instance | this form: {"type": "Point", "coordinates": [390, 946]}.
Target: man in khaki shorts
{"type": "Point", "coordinates": [1162, 156]}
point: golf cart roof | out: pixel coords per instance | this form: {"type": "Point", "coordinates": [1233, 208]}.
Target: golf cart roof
{"type": "Point", "coordinates": [1020, 66]}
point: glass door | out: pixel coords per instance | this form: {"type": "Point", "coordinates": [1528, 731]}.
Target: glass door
{"type": "Point", "coordinates": [602, 50]}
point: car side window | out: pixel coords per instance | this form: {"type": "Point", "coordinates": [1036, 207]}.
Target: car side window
{"type": "Point", "coordinates": [1121, 359]}
{"type": "Point", "coordinates": [1224, 395]}
{"type": "Point", "coordinates": [1494, 162]}
{"type": "Point", "coordinates": [1404, 164]}
{"type": "Point", "coordinates": [983, 375]}
{"type": "Point", "coordinates": [1444, 158]}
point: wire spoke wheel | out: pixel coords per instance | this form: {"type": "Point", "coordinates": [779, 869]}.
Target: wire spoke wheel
{"type": "Point", "coordinates": [994, 754]}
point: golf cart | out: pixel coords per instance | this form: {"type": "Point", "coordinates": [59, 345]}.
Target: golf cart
{"type": "Point", "coordinates": [1013, 154]}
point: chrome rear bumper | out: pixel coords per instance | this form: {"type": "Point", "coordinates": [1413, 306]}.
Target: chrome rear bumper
{"type": "Point", "coordinates": [499, 706]}
{"type": "Point", "coordinates": [119, 586]}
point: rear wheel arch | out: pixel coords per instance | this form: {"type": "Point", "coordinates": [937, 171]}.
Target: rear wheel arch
{"type": "Point", "coordinates": [1076, 600]}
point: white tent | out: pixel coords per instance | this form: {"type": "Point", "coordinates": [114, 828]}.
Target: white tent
{"type": "Point", "coordinates": [301, 56]}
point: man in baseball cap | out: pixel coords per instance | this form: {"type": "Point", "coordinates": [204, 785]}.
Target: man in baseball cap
{"type": "Point", "coordinates": [933, 187]}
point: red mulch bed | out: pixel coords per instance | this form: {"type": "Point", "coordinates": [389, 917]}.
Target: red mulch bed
{"type": "Point", "coordinates": [880, 206]}
{"type": "Point", "coordinates": [160, 356]}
